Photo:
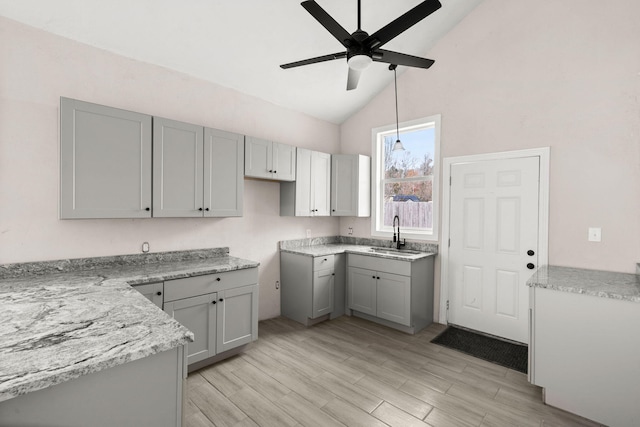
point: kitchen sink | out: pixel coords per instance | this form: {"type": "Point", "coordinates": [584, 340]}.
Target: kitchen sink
{"type": "Point", "coordinates": [396, 252]}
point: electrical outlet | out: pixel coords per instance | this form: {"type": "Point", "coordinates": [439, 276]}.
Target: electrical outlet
{"type": "Point", "coordinates": [595, 234]}
{"type": "Point", "coordinates": [308, 233]}
{"type": "Point", "coordinates": [145, 247]}
{"type": "Point", "coordinates": [350, 231]}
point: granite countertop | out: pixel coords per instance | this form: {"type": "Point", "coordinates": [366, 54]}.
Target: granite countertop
{"type": "Point", "coordinates": [63, 319]}
{"type": "Point", "coordinates": [340, 244]}
{"type": "Point", "coordinates": [605, 284]}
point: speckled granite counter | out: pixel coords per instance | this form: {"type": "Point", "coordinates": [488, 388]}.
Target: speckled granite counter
{"type": "Point", "coordinates": [341, 244]}
{"type": "Point", "coordinates": [63, 319]}
{"type": "Point", "coordinates": [605, 284]}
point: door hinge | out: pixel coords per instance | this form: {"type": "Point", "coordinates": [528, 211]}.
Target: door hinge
{"type": "Point", "coordinates": [447, 304]}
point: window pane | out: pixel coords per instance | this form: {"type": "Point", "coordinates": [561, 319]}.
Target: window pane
{"type": "Point", "coordinates": [411, 201]}
{"type": "Point", "coordinates": [417, 157]}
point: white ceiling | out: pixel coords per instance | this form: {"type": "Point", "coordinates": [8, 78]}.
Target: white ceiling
{"type": "Point", "coordinates": [241, 43]}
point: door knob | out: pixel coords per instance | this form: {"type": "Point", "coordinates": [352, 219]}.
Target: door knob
{"type": "Point", "coordinates": [530, 252]}
{"type": "Point", "coordinates": [530, 266]}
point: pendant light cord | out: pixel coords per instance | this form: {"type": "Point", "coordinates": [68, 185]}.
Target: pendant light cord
{"type": "Point", "coordinates": [395, 81]}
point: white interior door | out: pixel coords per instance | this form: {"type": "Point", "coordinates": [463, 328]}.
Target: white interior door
{"type": "Point", "coordinates": [493, 244]}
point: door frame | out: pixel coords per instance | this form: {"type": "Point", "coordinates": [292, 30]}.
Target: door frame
{"type": "Point", "coordinates": [543, 153]}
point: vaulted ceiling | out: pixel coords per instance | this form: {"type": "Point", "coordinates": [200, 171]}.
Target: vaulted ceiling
{"type": "Point", "coordinates": [240, 44]}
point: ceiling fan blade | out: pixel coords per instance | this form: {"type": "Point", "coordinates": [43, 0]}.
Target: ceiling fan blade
{"type": "Point", "coordinates": [327, 22]}
{"type": "Point", "coordinates": [315, 60]}
{"type": "Point", "coordinates": [390, 57]}
{"type": "Point", "coordinates": [352, 78]}
{"type": "Point", "coordinates": [401, 24]}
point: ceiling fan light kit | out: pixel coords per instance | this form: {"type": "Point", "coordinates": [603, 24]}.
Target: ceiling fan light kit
{"type": "Point", "coordinates": [361, 48]}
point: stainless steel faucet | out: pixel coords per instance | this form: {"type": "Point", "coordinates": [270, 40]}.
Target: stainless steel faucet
{"type": "Point", "coordinates": [398, 244]}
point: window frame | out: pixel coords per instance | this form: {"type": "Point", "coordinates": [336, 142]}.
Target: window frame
{"type": "Point", "coordinates": [377, 175]}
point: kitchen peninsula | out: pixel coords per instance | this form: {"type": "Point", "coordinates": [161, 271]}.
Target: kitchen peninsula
{"type": "Point", "coordinates": [79, 345]}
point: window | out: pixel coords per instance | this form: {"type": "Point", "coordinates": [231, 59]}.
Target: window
{"type": "Point", "coordinates": [405, 182]}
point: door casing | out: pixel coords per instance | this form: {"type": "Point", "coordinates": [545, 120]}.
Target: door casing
{"type": "Point", "coordinates": [543, 211]}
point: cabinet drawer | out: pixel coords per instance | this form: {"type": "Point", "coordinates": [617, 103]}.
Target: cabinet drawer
{"type": "Point", "coordinates": [200, 285]}
{"type": "Point", "coordinates": [392, 266]}
{"type": "Point", "coordinates": [323, 262]}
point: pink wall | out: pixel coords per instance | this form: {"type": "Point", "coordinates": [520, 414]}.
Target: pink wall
{"type": "Point", "coordinates": [36, 68]}
{"type": "Point", "coordinates": [521, 74]}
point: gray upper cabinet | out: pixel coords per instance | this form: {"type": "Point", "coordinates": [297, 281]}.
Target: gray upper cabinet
{"type": "Point", "coordinates": [196, 171]}
{"type": "Point", "coordinates": [309, 194]}
{"type": "Point", "coordinates": [177, 169]}
{"type": "Point", "coordinates": [223, 173]}
{"type": "Point", "coordinates": [105, 162]}
{"type": "Point", "coordinates": [350, 185]}
{"type": "Point", "coordinates": [269, 160]}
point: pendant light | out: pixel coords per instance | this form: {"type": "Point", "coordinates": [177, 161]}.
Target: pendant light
{"type": "Point", "coordinates": [398, 145]}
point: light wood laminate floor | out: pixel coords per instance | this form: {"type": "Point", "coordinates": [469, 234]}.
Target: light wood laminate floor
{"type": "Point", "coordinates": [352, 372]}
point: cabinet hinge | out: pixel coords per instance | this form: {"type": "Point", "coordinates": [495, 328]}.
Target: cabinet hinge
{"type": "Point", "coordinates": [449, 244]}
{"type": "Point", "coordinates": [450, 181]}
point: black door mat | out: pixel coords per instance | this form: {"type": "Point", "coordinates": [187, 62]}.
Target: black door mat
{"type": "Point", "coordinates": [507, 354]}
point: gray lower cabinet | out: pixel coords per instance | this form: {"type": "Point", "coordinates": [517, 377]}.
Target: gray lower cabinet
{"type": "Point", "coordinates": [308, 287]}
{"type": "Point", "coordinates": [143, 392]}
{"type": "Point", "coordinates": [220, 309]}
{"type": "Point", "coordinates": [105, 162]}
{"type": "Point", "coordinates": [197, 171]}
{"type": "Point", "coordinates": [395, 293]}
{"type": "Point", "coordinates": [153, 292]}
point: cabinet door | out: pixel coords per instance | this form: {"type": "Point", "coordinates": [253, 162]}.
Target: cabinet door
{"type": "Point", "coordinates": [152, 292]}
{"type": "Point", "coordinates": [198, 314]}
{"type": "Point", "coordinates": [237, 317]}
{"type": "Point", "coordinates": [258, 158]}
{"type": "Point", "coordinates": [284, 162]}
{"type": "Point", "coordinates": [323, 287]}
{"type": "Point", "coordinates": [105, 162]}
{"type": "Point", "coordinates": [223, 173]}
{"type": "Point", "coordinates": [361, 289]}
{"type": "Point", "coordinates": [394, 298]}
{"type": "Point", "coordinates": [303, 183]}
{"type": "Point", "coordinates": [320, 183]}
{"type": "Point", "coordinates": [177, 169]}
{"type": "Point", "coordinates": [344, 170]}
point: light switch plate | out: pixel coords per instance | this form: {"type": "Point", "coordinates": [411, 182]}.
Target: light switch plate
{"type": "Point", "coordinates": [595, 234]}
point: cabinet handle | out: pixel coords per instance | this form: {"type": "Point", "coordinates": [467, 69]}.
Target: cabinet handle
{"type": "Point", "coordinates": [333, 274]}
{"type": "Point", "coordinates": [220, 300]}
{"type": "Point", "coordinates": [207, 209]}
{"type": "Point", "coordinates": [275, 171]}
{"type": "Point", "coordinates": [213, 302]}
{"type": "Point", "coordinates": [378, 277]}
{"type": "Point", "coordinates": [199, 209]}
{"type": "Point", "coordinates": [333, 210]}
{"type": "Point", "coordinates": [158, 293]}
{"type": "Point", "coordinates": [270, 170]}
{"type": "Point", "coordinates": [147, 209]}
{"type": "Point", "coordinates": [373, 277]}
{"type": "Point", "coordinates": [217, 279]}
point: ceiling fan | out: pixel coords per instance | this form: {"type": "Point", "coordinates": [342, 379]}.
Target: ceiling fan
{"type": "Point", "coordinates": [362, 48]}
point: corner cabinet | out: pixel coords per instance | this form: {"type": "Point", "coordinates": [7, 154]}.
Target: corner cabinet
{"type": "Point", "coordinates": [269, 160]}
{"type": "Point", "coordinates": [350, 185]}
{"type": "Point", "coordinates": [395, 293]}
{"type": "Point", "coordinates": [309, 195]}
{"type": "Point", "coordinates": [308, 287]}
{"type": "Point", "coordinates": [197, 171]}
{"type": "Point", "coordinates": [152, 292]}
{"type": "Point", "coordinates": [105, 162]}
{"type": "Point", "coordinates": [220, 309]}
